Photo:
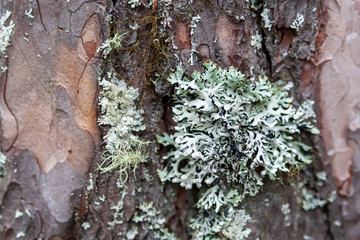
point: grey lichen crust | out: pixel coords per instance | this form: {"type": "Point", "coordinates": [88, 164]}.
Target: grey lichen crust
{"type": "Point", "coordinates": [231, 133]}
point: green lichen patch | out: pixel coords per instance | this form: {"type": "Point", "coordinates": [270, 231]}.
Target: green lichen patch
{"type": "Point", "coordinates": [233, 129]}
{"type": "Point", "coordinates": [307, 197]}
{"type": "Point", "coordinates": [231, 224]}
{"type": "Point", "coordinates": [150, 216]}
{"type": "Point", "coordinates": [111, 44]}
{"type": "Point", "coordinates": [120, 113]}
{"type": "Point", "coordinates": [231, 133]}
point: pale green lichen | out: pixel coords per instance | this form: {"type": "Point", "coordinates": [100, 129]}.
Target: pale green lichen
{"type": "Point", "coordinates": [90, 186]}
{"type": "Point", "coordinates": [231, 133]}
{"type": "Point", "coordinates": [266, 18]}
{"type": "Point", "coordinates": [134, 3]}
{"type": "Point", "coordinates": [234, 229]}
{"type": "Point", "coordinates": [111, 44]}
{"type": "Point", "coordinates": [256, 40]}
{"type": "Point", "coordinates": [149, 215]}
{"type": "Point", "coordinates": [20, 234]}
{"type": "Point", "coordinates": [18, 213]}
{"type": "Point", "coordinates": [2, 165]}
{"type": "Point", "coordinates": [85, 225]}
{"type": "Point", "coordinates": [230, 127]}
{"type": "Point", "coordinates": [310, 199]}
{"type": "Point", "coordinates": [119, 111]}
{"type": "Point", "coordinates": [132, 233]}
{"type": "Point", "coordinates": [28, 13]}
{"type": "Point", "coordinates": [307, 237]}
{"type": "Point", "coordinates": [123, 158]}
{"type": "Point", "coordinates": [165, 140]}
{"type": "Point", "coordinates": [230, 223]}
{"type": "Point", "coordinates": [118, 214]}
{"type": "Point", "coordinates": [298, 22]}
{"type": "Point", "coordinates": [5, 32]}
{"type": "Point", "coordinates": [285, 210]}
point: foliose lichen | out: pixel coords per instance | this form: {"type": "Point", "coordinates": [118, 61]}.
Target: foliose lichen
{"type": "Point", "coordinates": [230, 223]}
{"type": "Point", "coordinates": [285, 210]}
{"type": "Point", "coordinates": [266, 18]}
{"type": "Point", "coordinates": [231, 133]}
{"type": "Point", "coordinates": [2, 165]}
{"type": "Point", "coordinates": [134, 3]}
{"type": "Point", "coordinates": [121, 114]}
{"type": "Point", "coordinates": [149, 215]}
{"type": "Point", "coordinates": [297, 23]}
{"type": "Point", "coordinates": [118, 212]}
{"type": "Point", "coordinates": [5, 32]}
{"type": "Point", "coordinates": [307, 197]}
{"type": "Point", "coordinates": [111, 44]}
{"type": "Point", "coordinates": [256, 40]}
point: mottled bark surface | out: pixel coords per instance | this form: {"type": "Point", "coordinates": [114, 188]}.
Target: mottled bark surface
{"type": "Point", "coordinates": [49, 96]}
{"type": "Point", "coordinates": [48, 114]}
{"type": "Point", "coordinates": [339, 94]}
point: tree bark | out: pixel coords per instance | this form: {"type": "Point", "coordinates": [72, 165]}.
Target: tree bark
{"type": "Point", "coordinates": [52, 188]}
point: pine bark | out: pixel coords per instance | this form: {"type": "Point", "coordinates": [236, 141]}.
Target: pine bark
{"type": "Point", "coordinates": [49, 110]}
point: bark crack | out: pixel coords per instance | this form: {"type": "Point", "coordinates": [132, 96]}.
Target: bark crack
{"type": "Point", "coordinates": [8, 107]}
{"type": "Point", "coordinates": [41, 19]}
{"type": "Point", "coordinates": [266, 51]}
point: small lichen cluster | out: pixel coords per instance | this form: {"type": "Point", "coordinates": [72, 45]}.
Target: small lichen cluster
{"type": "Point", "coordinates": [231, 133]}
{"type": "Point", "coordinates": [298, 22]}
{"type": "Point", "coordinates": [308, 197]}
{"type": "Point", "coordinates": [118, 214]}
{"type": "Point", "coordinates": [111, 44]}
{"type": "Point", "coordinates": [5, 32]}
{"type": "Point", "coordinates": [149, 215]}
{"type": "Point", "coordinates": [134, 3]}
{"type": "Point", "coordinates": [230, 224]}
{"type": "Point", "coordinates": [256, 40]}
{"type": "Point", "coordinates": [266, 18]}
{"type": "Point", "coordinates": [2, 165]}
{"type": "Point", "coordinates": [285, 210]}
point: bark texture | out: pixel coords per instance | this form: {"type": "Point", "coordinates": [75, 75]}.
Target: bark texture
{"type": "Point", "coordinates": [48, 110]}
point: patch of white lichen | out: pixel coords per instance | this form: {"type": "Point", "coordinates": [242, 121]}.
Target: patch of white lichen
{"type": "Point", "coordinates": [298, 22]}
{"type": "Point", "coordinates": [2, 165]}
{"type": "Point", "coordinates": [6, 30]}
